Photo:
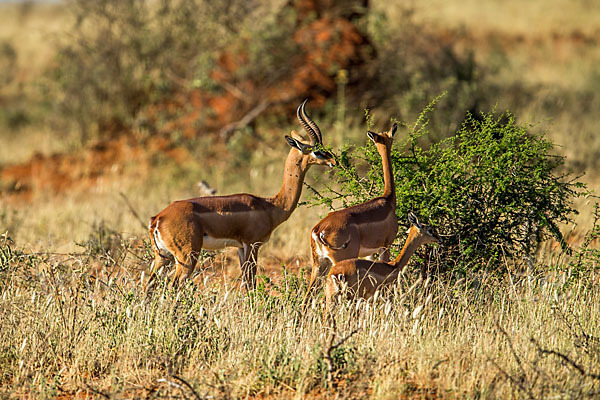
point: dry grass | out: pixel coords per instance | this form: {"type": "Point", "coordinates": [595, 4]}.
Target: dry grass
{"type": "Point", "coordinates": [31, 29]}
{"type": "Point", "coordinates": [487, 337]}
{"type": "Point", "coordinates": [513, 16]}
{"type": "Point", "coordinates": [34, 27]}
{"type": "Point", "coordinates": [77, 323]}
{"type": "Point", "coordinates": [19, 146]}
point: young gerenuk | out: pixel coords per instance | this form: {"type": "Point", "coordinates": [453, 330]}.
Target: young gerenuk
{"type": "Point", "coordinates": [362, 278]}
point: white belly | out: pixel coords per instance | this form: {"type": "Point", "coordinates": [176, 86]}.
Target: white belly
{"type": "Point", "coordinates": [212, 243]}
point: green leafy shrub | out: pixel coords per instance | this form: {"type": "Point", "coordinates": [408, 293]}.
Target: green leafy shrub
{"type": "Point", "coordinates": [493, 189]}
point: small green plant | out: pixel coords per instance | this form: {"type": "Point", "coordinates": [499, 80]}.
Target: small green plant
{"type": "Point", "coordinates": [7, 254]}
{"type": "Point", "coordinates": [493, 189]}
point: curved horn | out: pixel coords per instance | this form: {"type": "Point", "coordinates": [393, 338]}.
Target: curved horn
{"type": "Point", "coordinates": [313, 125]}
{"type": "Point", "coordinates": [308, 124]}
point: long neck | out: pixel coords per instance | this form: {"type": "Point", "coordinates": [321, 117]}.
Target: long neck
{"type": "Point", "coordinates": [389, 190]}
{"type": "Point", "coordinates": [413, 242]}
{"type": "Point", "coordinates": [291, 189]}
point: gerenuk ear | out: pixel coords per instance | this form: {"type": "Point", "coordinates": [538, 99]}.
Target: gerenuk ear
{"type": "Point", "coordinates": [372, 136]}
{"type": "Point", "coordinates": [394, 129]}
{"type": "Point", "coordinates": [412, 218]}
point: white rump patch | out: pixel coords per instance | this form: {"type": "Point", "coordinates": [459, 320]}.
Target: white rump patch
{"type": "Point", "coordinates": [212, 243]}
{"type": "Point", "coordinates": [320, 249]}
{"type": "Point", "coordinates": [162, 248]}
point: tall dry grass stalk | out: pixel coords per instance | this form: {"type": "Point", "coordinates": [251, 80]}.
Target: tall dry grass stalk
{"type": "Point", "coordinates": [66, 332]}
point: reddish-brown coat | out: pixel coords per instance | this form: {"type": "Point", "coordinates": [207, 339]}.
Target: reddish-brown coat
{"type": "Point", "coordinates": [360, 230]}
{"type": "Point", "coordinates": [362, 278]}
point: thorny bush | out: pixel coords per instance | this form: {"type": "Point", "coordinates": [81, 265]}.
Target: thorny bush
{"type": "Point", "coordinates": [493, 188]}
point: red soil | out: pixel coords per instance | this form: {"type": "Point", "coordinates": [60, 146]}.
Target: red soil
{"type": "Point", "coordinates": [330, 42]}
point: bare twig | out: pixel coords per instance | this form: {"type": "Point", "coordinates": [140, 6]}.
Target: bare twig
{"type": "Point", "coordinates": [585, 339]}
{"type": "Point", "coordinates": [511, 378]}
{"type": "Point", "coordinates": [567, 360]}
{"type": "Point", "coordinates": [96, 391]}
{"type": "Point", "coordinates": [235, 91]}
{"type": "Point", "coordinates": [226, 132]}
{"type": "Point", "coordinates": [114, 287]}
{"type": "Point", "coordinates": [135, 214]}
{"type": "Point", "coordinates": [519, 381]}
{"type": "Point", "coordinates": [186, 384]}
{"type": "Point", "coordinates": [316, 192]}
{"type": "Point", "coordinates": [184, 83]}
{"type": "Point", "coordinates": [343, 340]}
{"type": "Point", "coordinates": [512, 349]}
{"type": "Point", "coordinates": [439, 362]}
{"type": "Point", "coordinates": [330, 347]}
